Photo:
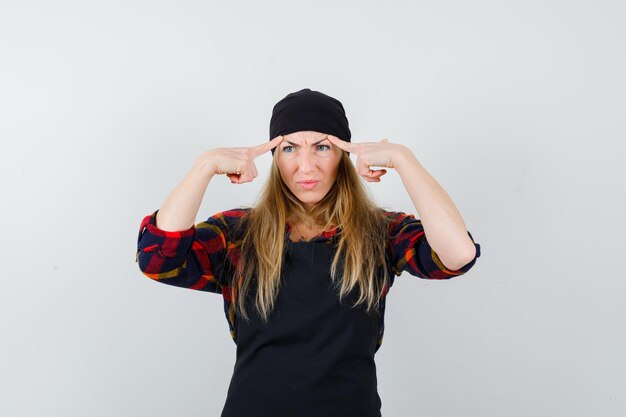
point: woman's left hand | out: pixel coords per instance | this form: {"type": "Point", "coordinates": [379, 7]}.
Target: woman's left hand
{"type": "Point", "coordinates": [372, 154]}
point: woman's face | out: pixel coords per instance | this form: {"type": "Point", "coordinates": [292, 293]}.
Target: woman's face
{"type": "Point", "coordinates": [308, 164]}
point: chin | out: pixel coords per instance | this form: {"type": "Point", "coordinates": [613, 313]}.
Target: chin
{"type": "Point", "coordinates": [308, 201]}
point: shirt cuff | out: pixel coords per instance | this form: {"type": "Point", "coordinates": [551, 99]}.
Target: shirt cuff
{"type": "Point", "coordinates": [168, 244]}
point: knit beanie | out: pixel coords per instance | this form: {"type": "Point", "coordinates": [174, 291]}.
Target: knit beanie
{"type": "Point", "coordinates": [309, 110]}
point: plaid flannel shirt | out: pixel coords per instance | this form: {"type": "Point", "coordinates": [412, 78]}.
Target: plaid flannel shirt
{"type": "Point", "coordinates": [203, 256]}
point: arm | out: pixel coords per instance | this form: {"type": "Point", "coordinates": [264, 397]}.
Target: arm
{"type": "Point", "coordinates": [443, 226]}
{"type": "Point", "coordinates": [180, 209]}
{"type": "Point", "coordinates": [181, 206]}
{"type": "Point", "coordinates": [171, 248]}
{"type": "Point", "coordinates": [193, 258]}
{"type": "Point", "coordinates": [410, 251]}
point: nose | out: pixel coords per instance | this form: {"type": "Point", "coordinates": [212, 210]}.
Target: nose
{"type": "Point", "coordinates": [306, 162]}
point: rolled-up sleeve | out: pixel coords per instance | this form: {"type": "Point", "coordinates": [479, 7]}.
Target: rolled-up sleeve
{"type": "Point", "coordinates": [191, 258]}
{"type": "Point", "coordinates": [408, 250]}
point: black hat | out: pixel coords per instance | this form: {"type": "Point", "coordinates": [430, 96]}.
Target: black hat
{"type": "Point", "coordinates": [309, 110]}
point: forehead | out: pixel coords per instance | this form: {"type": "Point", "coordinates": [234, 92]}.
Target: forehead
{"type": "Point", "coordinates": [304, 137]}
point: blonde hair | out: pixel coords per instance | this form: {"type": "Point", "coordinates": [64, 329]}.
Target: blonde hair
{"type": "Point", "coordinates": [361, 240]}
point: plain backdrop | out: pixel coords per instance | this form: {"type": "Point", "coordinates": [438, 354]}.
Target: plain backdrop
{"type": "Point", "coordinates": [517, 108]}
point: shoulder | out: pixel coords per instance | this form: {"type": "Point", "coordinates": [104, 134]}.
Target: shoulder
{"type": "Point", "coordinates": [232, 216]}
{"type": "Point", "coordinates": [395, 215]}
{"type": "Point", "coordinates": [227, 219]}
{"type": "Point", "coordinates": [224, 226]}
{"type": "Point", "coordinates": [398, 219]}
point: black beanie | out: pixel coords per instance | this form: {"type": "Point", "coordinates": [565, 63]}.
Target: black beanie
{"type": "Point", "coordinates": [309, 110]}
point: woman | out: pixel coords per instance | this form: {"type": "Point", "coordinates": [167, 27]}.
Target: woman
{"type": "Point", "coordinates": [305, 273]}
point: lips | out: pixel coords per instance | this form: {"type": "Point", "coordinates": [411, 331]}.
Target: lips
{"type": "Point", "coordinates": [308, 185]}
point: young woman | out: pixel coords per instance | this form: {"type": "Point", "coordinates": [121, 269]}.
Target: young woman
{"type": "Point", "coordinates": [304, 274]}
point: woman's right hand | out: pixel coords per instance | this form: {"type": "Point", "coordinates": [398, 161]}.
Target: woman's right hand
{"type": "Point", "coordinates": [236, 163]}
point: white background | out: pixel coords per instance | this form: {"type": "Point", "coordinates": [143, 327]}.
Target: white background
{"type": "Point", "coordinates": [516, 107]}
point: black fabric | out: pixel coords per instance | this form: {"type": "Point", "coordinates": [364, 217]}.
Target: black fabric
{"type": "Point", "coordinates": [309, 110]}
{"type": "Point", "coordinates": [315, 358]}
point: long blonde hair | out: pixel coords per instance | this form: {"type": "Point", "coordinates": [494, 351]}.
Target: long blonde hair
{"type": "Point", "coordinates": [361, 240]}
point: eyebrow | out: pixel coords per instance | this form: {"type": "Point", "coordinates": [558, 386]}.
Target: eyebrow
{"type": "Point", "coordinates": [313, 144]}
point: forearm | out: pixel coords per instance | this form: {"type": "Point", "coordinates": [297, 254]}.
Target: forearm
{"type": "Point", "coordinates": [444, 227]}
{"type": "Point", "coordinates": [180, 208]}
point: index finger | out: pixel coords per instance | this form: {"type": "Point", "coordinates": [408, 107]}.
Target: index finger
{"type": "Point", "coordinates": [267, 146]}
{"type": "Point", "coordinates": [341, 144]}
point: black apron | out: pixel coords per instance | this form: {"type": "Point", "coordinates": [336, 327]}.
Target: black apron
{"type": "Point", "coordinates": [315, 357]}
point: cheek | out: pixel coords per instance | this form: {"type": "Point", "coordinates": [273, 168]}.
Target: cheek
{"type": "Point", "coordinates": [334, 168]}
{"type": "Point", "coordinates": [284, 168]}
{"type": "Point", "coordinates": [280, 163]}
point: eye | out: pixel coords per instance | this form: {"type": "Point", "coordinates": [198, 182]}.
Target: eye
{"type": "Point", "coordinates": [323, 147]}
{"type": "Point", "coordinates": [287, 148]}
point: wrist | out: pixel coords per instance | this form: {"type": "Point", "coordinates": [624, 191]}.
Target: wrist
{"type": "Point", "coordinates": [204, 165]}
{"type": "Point", "coordinates": [403, 157]}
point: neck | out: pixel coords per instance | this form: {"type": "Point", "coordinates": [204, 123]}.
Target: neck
{"type": "Point", "coordinates": [303, 221]}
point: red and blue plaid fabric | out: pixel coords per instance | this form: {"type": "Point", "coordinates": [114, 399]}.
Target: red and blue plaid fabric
{"type": "Point", "coordinates": [203, 256]}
